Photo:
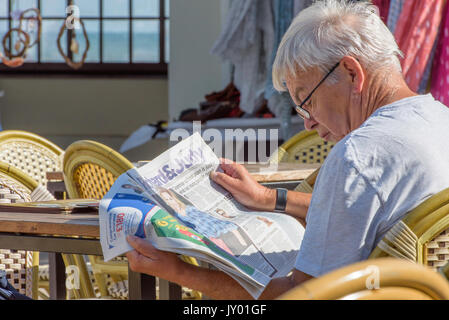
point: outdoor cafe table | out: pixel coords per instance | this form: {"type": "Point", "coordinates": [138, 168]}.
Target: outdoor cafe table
{"type": "Point", "coordinates": [55, 233]}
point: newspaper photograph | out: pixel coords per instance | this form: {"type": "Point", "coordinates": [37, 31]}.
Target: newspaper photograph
{"type": "Point", "coordinates": [172, 202]}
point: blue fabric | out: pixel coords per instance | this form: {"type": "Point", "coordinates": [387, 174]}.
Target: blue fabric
{"type": "Point", "coordinates": [204, 223]}
{"type": "Point", "coordinates": [283, 16]}
{"type": "Point", "coordinates": [426, 76]}
{"type": "Point", "coordinates": [394, 13]}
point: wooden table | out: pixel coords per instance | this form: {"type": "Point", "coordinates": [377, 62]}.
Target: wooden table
{"type": "Point", "coordinates": [37, 232]}
{"type": "Point", "coordinates": [286, 175]}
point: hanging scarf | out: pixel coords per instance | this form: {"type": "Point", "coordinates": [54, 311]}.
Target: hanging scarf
{"type": "Point", "coordinates": [440, 69]}
{"type": "Point", "coordinates": [416, 33]}
{"type": "Point", "coordinates": [384, 7]}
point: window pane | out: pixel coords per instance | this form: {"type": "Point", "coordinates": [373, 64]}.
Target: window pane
{"type": "Point", "coordinates": [3, 9]}
{"type": "Point", "coordinates": [145, 41]}
{"type": "Point", "coordinates": [53, 8]}
{"type": "Point", "coordinates": [146, 8]}
{"type": "Point", "coordinates": [22, 5]}
{"type": "Point", "coordinates": [116, 8]}
{"type": "Point", "coordinates": [115, 41]}
{"type": "Point", "coordinates": [88, 8]}
{"type": "Point", "coordinates": [49, 48]}
{"type": "Point", "coordinates": [167, 8]}
{"type": "Point", "coordinates": [167, 41]}
{"type": "Point", "coordinates": [3, 30]}
{"type": "Point", "coordinates": [31, 55]}
{"type": "Point", "coordinates": [93, 33]}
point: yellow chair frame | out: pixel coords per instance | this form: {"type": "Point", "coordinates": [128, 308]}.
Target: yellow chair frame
{"type": "Point", "coordinates": [380, 279]}
{"type": "Point", "coordinates": [420, 234]}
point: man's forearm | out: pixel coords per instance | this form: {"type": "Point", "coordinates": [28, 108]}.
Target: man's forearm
{"type": "Point", "coordinates": [213, 283]}
{"type": "Point", "coordinates": [297, 203]}
{"type": "Point", "coordinates": [220, 286]}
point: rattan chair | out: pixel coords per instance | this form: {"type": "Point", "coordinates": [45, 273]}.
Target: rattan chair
{"type": "Point", "coordinates": [380, 279]}
{"type": "Point", "coordinates": [304, 147]}
{"type": "Point", "coordinates": [35, 156]}
{"type": "Point", "coordinates": [90, 169]}
{"type": "Point", "coordinates": [21, 266]}
{"type": "Point", "coordinates": [30, 153]}
{"type": "Point", "coordinates": [422, 236]}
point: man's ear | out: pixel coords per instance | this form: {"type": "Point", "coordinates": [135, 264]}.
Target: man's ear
{"type": "Point", "coordinates": [354, 71]}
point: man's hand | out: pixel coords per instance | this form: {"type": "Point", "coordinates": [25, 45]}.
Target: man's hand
{"type": "Point", "coordinates": [243, 187]}
{"type": "Point", "coordinates": [147, 259]}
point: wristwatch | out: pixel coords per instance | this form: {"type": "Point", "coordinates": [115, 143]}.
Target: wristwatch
{"type": "Point", "coordinates": [281, 200]}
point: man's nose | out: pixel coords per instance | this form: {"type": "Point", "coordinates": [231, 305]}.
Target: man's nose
{"type": "Point", "coordinates": [310, 124]}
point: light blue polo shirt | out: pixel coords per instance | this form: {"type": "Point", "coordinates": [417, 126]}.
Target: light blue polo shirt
{"type": "Point", "coordinates": [398, 158]}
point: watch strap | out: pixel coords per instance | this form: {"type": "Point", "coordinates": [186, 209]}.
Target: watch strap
{"type": "Point", "coordinates": [281, 200]}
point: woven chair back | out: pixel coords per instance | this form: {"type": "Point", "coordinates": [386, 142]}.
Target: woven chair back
{"type": "Point", "coordinates": [30, 153]}
{"type": "Point", "coordinates": [380, 279]}
{"type": "Point", "coordinates": [304, 147]}
{"type": "Point", "coordinates": [90, 169]}
{"type": "Point", "coordinates": [16, 187]}
{"type": "Point", "coordinates": [422, 235]}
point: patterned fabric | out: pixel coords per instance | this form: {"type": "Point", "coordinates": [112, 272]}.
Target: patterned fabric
{"type": "Point", "coordinates": [416, 33]}
{"type": "Point", "coordinates": [393, 13]}
{"type": "Point", "coordinates": [440, 69]}
{"type": "Point", "coordinates": [204, 223]}
{"type": "Point", "coordinates": [247, 41]}
{"type": "Point", "coordinates": [427, 73]}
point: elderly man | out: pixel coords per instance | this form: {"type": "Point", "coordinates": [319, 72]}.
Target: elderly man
{"type": "Point", "coordinates": [341, 66]}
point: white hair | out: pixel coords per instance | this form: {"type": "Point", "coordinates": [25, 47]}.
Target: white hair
{"type": "Point", "coordinates": [328, 30]}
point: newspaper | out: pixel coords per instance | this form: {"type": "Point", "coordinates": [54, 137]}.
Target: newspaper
{"type": "Point", "coordinates": [173, 203]}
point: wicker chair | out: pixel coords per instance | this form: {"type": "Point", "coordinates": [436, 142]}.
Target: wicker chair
{"type": "Point", "coordinates": [422, 236]}
{"type": "Point", "coordinates": [380, 279]}
{"type": "Point", "coordinates": [35, 156]}
{"type": "Point", "coordinates": [21, 266]}
{"type": "Point", "coordinates": [304, 147]}
{"type": "Point", "coordinates": [90, 169]}
{"type": "Point", "coordinates": [30, 153]}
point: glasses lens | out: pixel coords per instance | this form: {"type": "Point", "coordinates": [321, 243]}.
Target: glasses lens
{"type": "Point", "coordinates": [302, 113]}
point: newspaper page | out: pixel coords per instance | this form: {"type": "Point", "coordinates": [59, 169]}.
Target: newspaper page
{"type": "Point", "coordinates": [127, 209]}
{"type": "Point", "coordinates": [189, 214]}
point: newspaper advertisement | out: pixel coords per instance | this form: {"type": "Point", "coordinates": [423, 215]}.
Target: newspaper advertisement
{"type": "Point", "coordinates": [172, 202]}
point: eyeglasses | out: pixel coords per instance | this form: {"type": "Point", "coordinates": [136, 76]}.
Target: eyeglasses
{"type": "Point", "coordinates": [303, 113]}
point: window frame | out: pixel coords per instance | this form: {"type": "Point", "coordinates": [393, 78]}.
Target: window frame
{"type": "Point", "coordinates": [97, 68]}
